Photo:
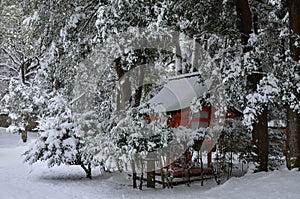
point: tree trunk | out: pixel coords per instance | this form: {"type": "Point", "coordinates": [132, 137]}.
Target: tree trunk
{"type": "Point", "coordinates": [88, 170]}
{"type": "Point", "coordinates": [261, 140]}
{"type": "Point", "coordinates": [24, 135]}
{"type": "Point", "coordinates": [139, 90]}
{"type": "Point", "coordinates": [293, 130]}
{"type": "Point", "coordinates": [23, 73]}
{"type": "Point", "coordinates": [125, 88]}
{"type": "Point", "coordinates": [23, 69]}
{"type": "Point", "coordinates": [260, 129]}
{"type": "Point", "coordinates": [244, 19]}
{"type": "Point", "coordinates": [294, 15]}
{"type": "Point", "coordinates": [195, 56]}
{"type": "Point", "coordinates": [178, 56]}
{"type": "Point", "coordinates": [293, 126]}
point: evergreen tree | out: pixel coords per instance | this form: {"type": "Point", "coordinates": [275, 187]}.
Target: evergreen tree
{"type": "Point", "coordinates": [63, 47]}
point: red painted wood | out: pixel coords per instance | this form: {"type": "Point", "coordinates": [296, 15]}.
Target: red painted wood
{"type": "Point", "coordinates": [184, 118]}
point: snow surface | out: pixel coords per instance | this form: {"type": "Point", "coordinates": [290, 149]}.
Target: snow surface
{"type": "Point", "coordinates": [21, 181]}
{"type": "Point", "coordinates": [178, 93]}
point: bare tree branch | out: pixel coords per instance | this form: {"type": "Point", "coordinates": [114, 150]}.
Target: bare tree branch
{"type": "Point", "coordinates": [17, 62]}
{"type": "Point", "coordinates": [30, 73]}
{"type": "Point", "coordinates": [4, 78]}
{"type": "Point", "coordinates": [8, 66]}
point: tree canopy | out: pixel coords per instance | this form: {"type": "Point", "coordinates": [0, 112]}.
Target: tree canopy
{"type": "Point", "coordinates": [63, 63]}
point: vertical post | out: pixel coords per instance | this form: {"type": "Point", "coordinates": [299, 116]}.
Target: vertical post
{"type": "Point", "coordinates": [142, 175]}
{"type": "Point", "coordinates": [150, 170]}
{"type": "Point", "coordinates": [209, 153]}
{"type": "Point", "coordinates": [162, 172]}
{"type": "Point", "coordinates": [201, 164]}
{"type": "Point", "coordinates": [134, 176]}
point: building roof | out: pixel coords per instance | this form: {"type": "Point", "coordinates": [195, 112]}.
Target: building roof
{"type": "Point", "coordinates": [178, 93]}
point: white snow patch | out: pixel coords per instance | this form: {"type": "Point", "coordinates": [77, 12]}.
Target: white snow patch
{"type": "Point", "coordinates": [21, 181]}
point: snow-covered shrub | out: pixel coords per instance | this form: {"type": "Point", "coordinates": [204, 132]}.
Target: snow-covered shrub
{"type": "Point", "coordinates": [23, 103]}
{"type": "Point", "coordinates": [61, 139]}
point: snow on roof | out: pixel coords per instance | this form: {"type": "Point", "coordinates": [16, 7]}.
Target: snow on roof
{"type": "Point", "coordinates": [178, 93]}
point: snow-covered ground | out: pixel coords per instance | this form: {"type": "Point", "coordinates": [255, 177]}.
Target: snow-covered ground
{"type": "Point", "coordinates": [21, 181]}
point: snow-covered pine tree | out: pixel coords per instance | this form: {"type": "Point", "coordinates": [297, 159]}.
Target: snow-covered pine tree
{"type": "Point", "coordinates": [24, 104]}
{"type": "Point", "coordinates": [64, 41]}
{"type": "Point", "coordinates": [61, 140]}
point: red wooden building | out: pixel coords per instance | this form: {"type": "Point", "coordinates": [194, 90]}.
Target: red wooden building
{"type": "Point", "coordinates": [175, 99]}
